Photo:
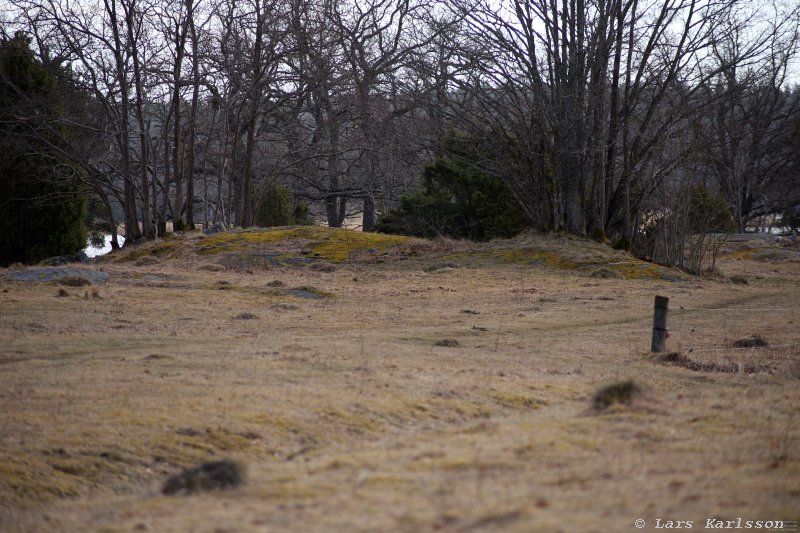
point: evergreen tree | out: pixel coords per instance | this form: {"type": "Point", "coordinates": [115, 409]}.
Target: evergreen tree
{"type": "Point", "coordinates": [280, 208]}
{"type": "Point", "coordinates": [457, 199]}
{"type": "Point", "coordinates": [42, 205]}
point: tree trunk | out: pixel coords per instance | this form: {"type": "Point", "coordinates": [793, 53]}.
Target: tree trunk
{"type": "Point", "coordinates": [144, 141]}
{"type": "Point", "coordinates": [368, 219]}
{"type": "Point", "coordinates": [192, 115]}
{"type": "Point", "coordinates": [245, 219]}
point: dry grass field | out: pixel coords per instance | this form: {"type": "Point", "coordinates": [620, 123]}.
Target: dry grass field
{"type": "Point", "coordinates": [375, 383]}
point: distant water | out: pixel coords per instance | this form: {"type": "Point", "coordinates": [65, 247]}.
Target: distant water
{"type": "Point", "coordinates": [91, 251]}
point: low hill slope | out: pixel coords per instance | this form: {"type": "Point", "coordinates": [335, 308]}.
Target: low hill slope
{"type": "Point", "coordinates": [322, 247]}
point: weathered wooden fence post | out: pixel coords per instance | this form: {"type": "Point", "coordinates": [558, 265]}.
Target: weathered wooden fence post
{"type": "Point", "coordinates": [660, 324]}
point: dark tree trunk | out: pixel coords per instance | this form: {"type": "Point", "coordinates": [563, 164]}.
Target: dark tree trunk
{"type": "Point", "coordinates": [368, 219]}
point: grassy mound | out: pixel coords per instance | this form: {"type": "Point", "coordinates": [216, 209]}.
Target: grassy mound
{"type": "Point", "coordinates": [319, 248]}
{"type": "Point", "coordinates": [331, 244]}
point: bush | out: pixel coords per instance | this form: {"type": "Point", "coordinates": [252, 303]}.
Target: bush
{"type": "Point", "coordinates": [97, 239]}
{"type": "Point", "coordinates": [457, 200]}
{"type": "Point", "coordinates": [709, 214]}
{"type": "Point", "coordinates": [278, 207]}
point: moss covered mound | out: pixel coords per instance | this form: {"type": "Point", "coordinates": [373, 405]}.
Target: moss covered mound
{"type": "Point", "coordinates": [319, 246]}
{"type": "Point", "coordinates": [331, 244]}
{"type": "Point", "coordinates": [568, 252]}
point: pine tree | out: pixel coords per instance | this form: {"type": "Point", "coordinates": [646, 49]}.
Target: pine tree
{"type": "Point", "coordinates": [42, 204]}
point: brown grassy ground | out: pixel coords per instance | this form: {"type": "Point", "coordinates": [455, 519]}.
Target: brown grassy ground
{"type": "Point", "coordinates": [347, 415]}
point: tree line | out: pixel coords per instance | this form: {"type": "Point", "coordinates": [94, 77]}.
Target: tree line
{"type": "Point", "coordinates": [600, 117]}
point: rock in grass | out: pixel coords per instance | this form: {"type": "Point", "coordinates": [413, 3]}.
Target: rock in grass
{"type": "Point", "coordinates": [218, 227]}
{"type": "Point", "coordinates": [213, 475]}
{"type": "Point", "coordinates": [622, 392]}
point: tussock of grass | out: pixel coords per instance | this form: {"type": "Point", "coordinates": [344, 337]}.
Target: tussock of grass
{"type": "Point", "coordinates": [213, 475]}
{"type": "Point", "coordinates": [756, 341]}
{"type": "Point", "coordinates": [306, 291]}
{"type": "Point", "coordinates": [74, 281]}
{"type": "Point", "coordinates": [604, 273]}
{"type": "Point", "coordinates": [620, 393]}
{"type": "Point", "coordinates": [447, 343]}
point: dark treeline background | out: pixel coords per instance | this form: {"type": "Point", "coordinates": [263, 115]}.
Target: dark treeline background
{"type": "Point", "coordinates": [618, 119]}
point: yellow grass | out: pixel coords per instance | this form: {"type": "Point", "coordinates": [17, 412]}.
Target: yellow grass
{"type": "Point", "coordinates": [349, 418]}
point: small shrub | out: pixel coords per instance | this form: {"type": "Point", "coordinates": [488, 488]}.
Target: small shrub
{"type": "Point", "coordinates": [97, 239]}
{"type": "Point", "coordinates": [621, 243]}
{"type": "Point", "coordinates": [279, 207]}
{"type": "Point", "coordinates": [276, 208]}
{"type": "Point", "coordinates": [738, 280]}
{"type": "Point", "coordinates": [599, 235]}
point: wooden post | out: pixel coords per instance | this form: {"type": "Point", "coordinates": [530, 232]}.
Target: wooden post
{"type": "Point", "coordinates": [660, 324]}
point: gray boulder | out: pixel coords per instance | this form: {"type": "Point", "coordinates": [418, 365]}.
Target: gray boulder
{"type": "Point", "coordinates": [218, 227]}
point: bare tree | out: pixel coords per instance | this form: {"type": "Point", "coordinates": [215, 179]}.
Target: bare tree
{"type": "Point", "coordinates": [585, 97]}
{"type": "Point", "coordinates": [751, 120]}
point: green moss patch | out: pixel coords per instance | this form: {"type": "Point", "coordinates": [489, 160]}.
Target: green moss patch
{"type": "Point", "coordinates": [318, 242]}
{"type": "Point", "coordinates": [596, 265]}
